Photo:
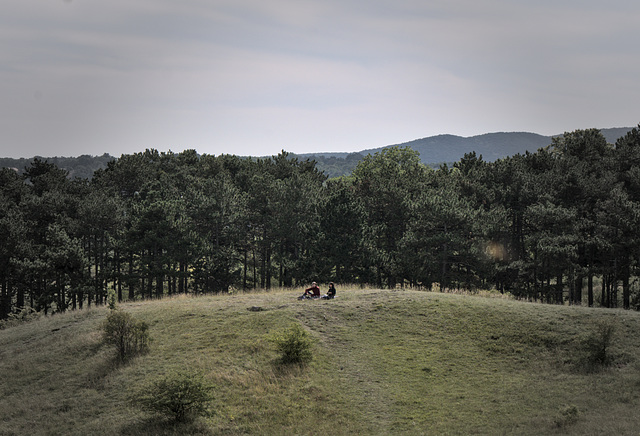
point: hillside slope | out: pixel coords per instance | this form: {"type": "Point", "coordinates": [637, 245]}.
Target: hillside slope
{"type": "Point", "coordinates": [385, 362]}
{"type": "Point", "coordinates": [436, 150]}
{"type": "Point", "coordinates": [492, 146]}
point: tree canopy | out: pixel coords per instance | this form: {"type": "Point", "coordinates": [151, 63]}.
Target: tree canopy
{"type": "Point", "coordinates": [544, 226]}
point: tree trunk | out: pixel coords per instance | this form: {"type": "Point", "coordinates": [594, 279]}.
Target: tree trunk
{"type": "Point", "coordinates": [118, 262]}
{"type": "Point", "coordinates": [5, 300]}
{"type": "Point", "coordinates": [159, 285]}
{"type": "Point", "coordinates": [559, 290]}
{"type": "Point", "coordinates": [626, 303]}
{"type": "Point", "coordinates": [613, 293]}
{"type": "Point", "coordinates": [577, 292]}
{"type": "Point", "coordinates": [572, 287]}
{"type": "Point", "coordinates": [268, 260]}
{"type": "Point", "coordinates": [61, 294]}
{"type": "Point", "coordinates": [20, 298]}
{"type": "Point", "coordinates": [263, 268]}
{"type": "Point", "coordinates": [130, 281]}
{"type": "Point", "coordinates": [158, 265]}
{"type": "Point", "coordinates": [74, 294]}
{"type": "Point", "coordinates": [443, 272]}
{"type": "Point", "coordinates": [244, 270]}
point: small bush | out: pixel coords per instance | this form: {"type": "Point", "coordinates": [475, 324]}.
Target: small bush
{"type": "Point", "coordinates": [178, 396]}
{"type": "Point", "coordinates": [25, 315]}
{"type": "Point", "coordinates": [112, 299]}
{"type": "Point", "coordinates": [294, 345]}
{"type": "Point", "coordinates": [597, 346]}
{"type": "Point", "coordinates": [566, 416]}
{"type": "Point", "coordinates": [129, 336]}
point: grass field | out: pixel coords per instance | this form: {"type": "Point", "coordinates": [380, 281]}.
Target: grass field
{"type": "Point", "coordinates": [384, 363]}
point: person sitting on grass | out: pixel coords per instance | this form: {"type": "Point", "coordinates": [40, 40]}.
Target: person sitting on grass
{"type": "Point", "coordinates": [312, 292]}
{"type": "Point", "coordinates": [331, 293]}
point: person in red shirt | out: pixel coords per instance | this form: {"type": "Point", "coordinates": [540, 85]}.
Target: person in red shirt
{"type": "Point", "coordinates": [313, 291]}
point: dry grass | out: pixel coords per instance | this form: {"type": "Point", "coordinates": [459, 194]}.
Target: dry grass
{"type": "Point", "coordinates": [385, 362]}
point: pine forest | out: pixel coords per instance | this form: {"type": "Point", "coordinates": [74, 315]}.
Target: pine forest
{"type": "Point", "coordinates": [560, 226]}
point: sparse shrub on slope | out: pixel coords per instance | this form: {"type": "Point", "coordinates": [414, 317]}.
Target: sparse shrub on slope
{"type": "Point", "coordinates": [25, 315]}
{"type": "Point", "coordinates": [567, 416]}
{"type": "Point", "coordinates": [596, 347]}
{"type": "Point", "coordinates": [177, 396]}
{"type": "Point", "coordinates": [129, 336]}
{"type": "Point", "coordinates": [294, 345]}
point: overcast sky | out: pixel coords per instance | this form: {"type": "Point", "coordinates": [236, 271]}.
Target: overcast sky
{"type": "Point", "coordinates": [253, 77]}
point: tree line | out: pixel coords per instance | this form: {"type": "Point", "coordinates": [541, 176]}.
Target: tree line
{"type": "Point", "coordinates": [81, 167]}
{"type": "Point", "coordinates": [547, 226]}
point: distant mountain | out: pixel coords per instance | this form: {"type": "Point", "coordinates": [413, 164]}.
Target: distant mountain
{"type": "Point", "coordinates": [439, 149]}
{"type": "Point", "coordinates": [492, 146]}
{"type": "Point", "coordinates": [434, 150]}
{"type": "Point", "coordinates": [614, 133]}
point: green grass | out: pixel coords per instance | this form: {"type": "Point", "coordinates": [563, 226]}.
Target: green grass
{"type": "Point", "coordinates": [384, 362]}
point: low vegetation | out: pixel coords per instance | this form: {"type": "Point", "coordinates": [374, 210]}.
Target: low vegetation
{"type": "Point", "coordinates": [294, 345]}
{"type": "Point", "coordinates": [384, 362]}
{"type": "Point", "coordinates": [178, 396]}
{"type": "Point", "coordinates": [127, 335]}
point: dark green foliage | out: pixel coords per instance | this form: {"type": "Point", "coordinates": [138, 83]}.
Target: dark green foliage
{"type": "Point", "coordinates": [542, 226]}
{"type": "Point", "coordinates": [596, 347]}
{"type": "Point", "coordinates": [178, 396]}
{"type": "Point", "coordinates": [81, 167]}
{"type": "Point", "coordinates": [334, 166]}
{"type": "Point", "coordinates": [112, 299]}
{"type": "Point", "coordinates": [385, 186]}
{"type": "Point", "coordinates": [294, 345]}
{"type": "Point", "coordinates": [129, 336]}
{"type": "Point", "coordinates": [25, 315]}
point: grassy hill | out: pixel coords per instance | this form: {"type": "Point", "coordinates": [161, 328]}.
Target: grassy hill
{"type": "Point", "coordinates": [385, 362]}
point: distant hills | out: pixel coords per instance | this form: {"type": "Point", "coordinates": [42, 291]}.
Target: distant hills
{"type": "Point", "coordinates": [434, 151]}
{"type": "Point", "coordinates": [492, 146]}
{"type": "Point", "coordinates": [447, 149]}
{"type": "Point", "coordinates": [81, 167]}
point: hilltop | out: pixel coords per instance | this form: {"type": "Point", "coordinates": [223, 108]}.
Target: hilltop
{"type": "Point", "coordinates": [447, 149]}
{"type": "Point", "coordinates": [492, 146]}
{"type": "Point", "coordinates": [385, 362]}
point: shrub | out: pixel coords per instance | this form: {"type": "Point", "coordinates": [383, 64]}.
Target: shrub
{"type": "Point", "coordinates": [25, 315]}
{"type": "Point", "coordinates": [566, 416]}
{"type": "Point", "coordinates": [294, 345]}
{"type": "Point", "coordinates": [597, 346]}
{"type": "Point", "coordinates": [129, 336]}
{"type": "Point", "coordinates": [111, 299]}
{"type": "Point", "coordinates": [177, 396]}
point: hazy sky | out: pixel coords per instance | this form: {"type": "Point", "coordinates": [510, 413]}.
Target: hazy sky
{"type": "Point", "coordinates": [253, 77]}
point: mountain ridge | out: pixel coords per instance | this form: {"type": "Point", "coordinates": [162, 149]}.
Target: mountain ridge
{"type": "Point", "coordinates": [433, 151]}
{"type": "Point", "coordinates": [448, 148]}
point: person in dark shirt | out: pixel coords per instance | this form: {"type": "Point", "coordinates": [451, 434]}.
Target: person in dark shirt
{"type": "Point", "coordinates": [331, 293]}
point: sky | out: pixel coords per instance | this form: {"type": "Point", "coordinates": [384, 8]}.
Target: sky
{"type": "Point", "coordinates": [254, 77]}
